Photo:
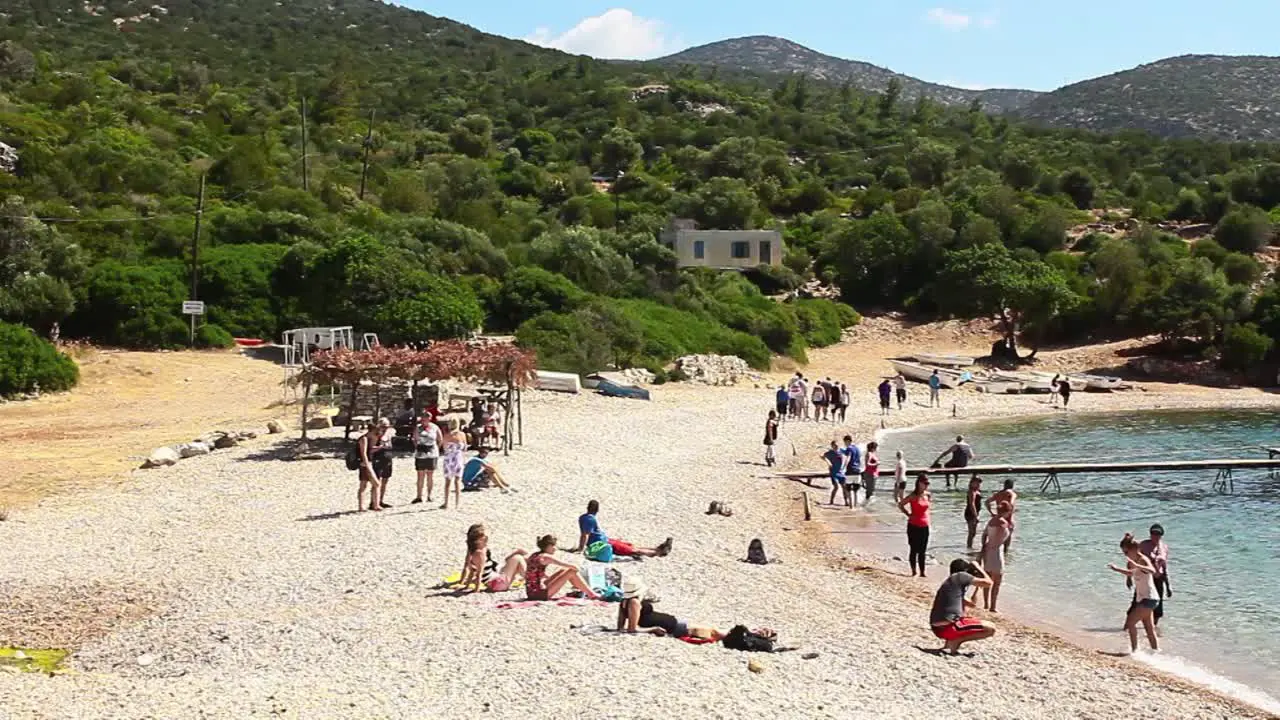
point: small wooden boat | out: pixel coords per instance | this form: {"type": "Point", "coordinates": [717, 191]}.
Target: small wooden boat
{"type": "Point", "coordinates": [592, 381]}
{"type": "Point", "coordinates": [943, 360]}
{"type": "Point", "coordinates": [613, 389]}
{"type": "Point", "coordinates": [1076, 382]}
{"type": "Point", "coordinates": [1031, 382]}
{"type": "Point", "coordinates": [950, 377]}
{"type": "Point", "coordinates": [1101, 383]}
{"type": "Point", "coordinates": [558, 382]}
{"type": "Point", "coordinates": [998, 387]}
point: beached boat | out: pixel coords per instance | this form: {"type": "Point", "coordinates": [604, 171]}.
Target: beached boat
{"type": "Point", "coordinates": [950, 377]}
{"type": "Point", "coordinates": [1077, 382]}
{"type": "Point", "coordinates": [1101, 383]}
{"type": "Point", "coordinates": [943, 360]}
{"type": "Point", "coordinates": [998, 387]}
{"type": "Point", "coordinates": [592, 381]}
{"type": "Point", "coordinates": [1031, 382]}
{"type": "Point", "coordinates": [558, 382]}
{"type": "Point", "coordinates": [613, 389]}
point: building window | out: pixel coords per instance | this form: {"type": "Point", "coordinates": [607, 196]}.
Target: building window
{"type": "Point", "coordinates": [741, 250]}
{"type": "Point", "coordinates": [699, 249]}
{"type": "Point", "coordinates": [766, 252]}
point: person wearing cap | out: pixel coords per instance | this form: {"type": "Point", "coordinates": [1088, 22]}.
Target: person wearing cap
{"type": "Point", "coordinates": [1157, 551]}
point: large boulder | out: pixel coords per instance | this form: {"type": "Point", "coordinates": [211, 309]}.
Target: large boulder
{"type": "Point", "coordinates": [192, 449]}
{"type": "Point", "coordinates": [227, 440]}
{"type": "Point", "coordinates": [275, 427]}
{"type": "Point", "coordinates": [161, 457]}
{"type": "Point", "coordinates": [320, 422]}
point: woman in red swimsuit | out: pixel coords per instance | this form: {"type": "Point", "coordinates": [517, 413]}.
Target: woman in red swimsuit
{"type": "Point", "coordinates": [543, 586]}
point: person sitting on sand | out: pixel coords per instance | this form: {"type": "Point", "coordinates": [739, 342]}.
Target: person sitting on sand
{"type": "Point", "coordinates": [636, 614]}
{"type": "Point", "coordinates": [961, 453]}
{"type": "Point", "coordinates": [539, 585]}
{"type": "Point", "coordinates": [947, 619]}
{"type": "Point", "coordinates": [1139, 569]}
{"type": "Point", "coordinates": [589, 527]}
{"type": "Point", "coordinates": [998, 529]}
{"type": "Point", "coordinates": [480, 569]}
{"type": "Point", "coordinates": [1007, 495]}
{"type": "Point", "coordinates": [479, 473]}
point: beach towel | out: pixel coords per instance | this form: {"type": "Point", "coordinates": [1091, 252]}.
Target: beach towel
{"type": "Point", "coordinates": [454, 582]}
{"type": "Point", "coordinates": [559, 602]}
{"type": "Point", "coordinates": [697, 641]}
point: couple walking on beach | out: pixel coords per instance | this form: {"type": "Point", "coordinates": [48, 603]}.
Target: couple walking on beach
{"type": "Point", "coordinates": [1146, 572]}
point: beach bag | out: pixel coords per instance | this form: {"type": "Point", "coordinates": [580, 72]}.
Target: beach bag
{"type": "Point", "coordinates": [755, 553]}
{"type": "Point", "coordinates": [740, 638]}
{"type": "Point", "coordinates": [353, 457]}
{"type": "Point", "coordinates": [600, 552]}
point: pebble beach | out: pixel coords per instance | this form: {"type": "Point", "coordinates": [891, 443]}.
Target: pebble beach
{"type": "Point", "coordinates": [240, 584]}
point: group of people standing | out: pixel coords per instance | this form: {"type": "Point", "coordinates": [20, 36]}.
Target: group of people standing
{"type": "Point", "coordinates": [821, 400]}
{"type": "Point", "coordinates": [853, 469]}
{"type": "Point", "coordinates": [437, 444]}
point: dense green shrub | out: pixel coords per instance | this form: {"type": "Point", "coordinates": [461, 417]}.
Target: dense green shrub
{"type": "Point", "coordinates": [213, 336]}
{"type": "Point", "coordinates": [1246, 229]}
{"type": "Point", "coordinates": [530, 291]}
{"type": "Point", "coordinates": [447, 310]}
{"type": "Point", "coordinates": [137, 306]}
{"type": "Point", "coordinates": [235, 284]}
{"type": "Point", "coordinates": [822, 321]}
{"type": "Point", "coordinates": [1244, 347]}
{"type": "Point", "coordinates": [29, 363]}
{"type": "Point", "coordinates": [668, 333]}
{"type": "Point", "coordinates": [565, 342]}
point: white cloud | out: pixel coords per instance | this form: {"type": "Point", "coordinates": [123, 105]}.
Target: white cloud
{"type": "Point", "coordinates": [948, 19]}
{"type": "Point", "coordinates": [955, 20]}
{"type": "Point", "coordinates": [618, 33]}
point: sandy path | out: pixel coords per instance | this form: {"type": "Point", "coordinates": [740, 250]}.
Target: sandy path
{"type": "Point", "coordinates": [127, 404]}
{"type": "Point", "coordinates": [267, 604]}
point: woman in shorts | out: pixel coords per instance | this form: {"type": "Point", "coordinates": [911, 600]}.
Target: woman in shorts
{"type": "Point", "coordinates": [426, 454]}
{"type": "Point", "coordinates": [1139, 569]}
{"type": "Point", "coordinates": [998, 530]}
{"type": "Point", "coordinates": [819, 402]}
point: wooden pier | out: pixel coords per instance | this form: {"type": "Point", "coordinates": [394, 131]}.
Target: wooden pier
{"type": "Point", "coordinates": [1223, 482]}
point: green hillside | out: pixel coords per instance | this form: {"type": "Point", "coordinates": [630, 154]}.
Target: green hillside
{"type": "Point", "coordinates": [479, 203]}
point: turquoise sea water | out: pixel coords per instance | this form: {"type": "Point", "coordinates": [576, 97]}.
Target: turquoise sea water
{"type": "Point", "coordinates": [1222, 625]}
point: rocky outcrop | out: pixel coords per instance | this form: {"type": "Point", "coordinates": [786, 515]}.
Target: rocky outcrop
{"type": "Point", "coordinates": [8, 159]}
{"type": "Point", "coordinates": [162, 457]}
{"type": "Point", "coordinates": [716, 369]}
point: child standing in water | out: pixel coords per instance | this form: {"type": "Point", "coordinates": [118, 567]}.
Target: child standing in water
{"type": "Point", "coordinates": [1139, 569]}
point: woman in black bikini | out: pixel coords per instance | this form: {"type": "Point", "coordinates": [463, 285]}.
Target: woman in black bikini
{"type": "Point", "coordinates": [972, 506]}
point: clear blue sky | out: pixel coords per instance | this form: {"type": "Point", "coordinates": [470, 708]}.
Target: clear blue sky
{"type": "Point", "coordinates": [1036, 44]}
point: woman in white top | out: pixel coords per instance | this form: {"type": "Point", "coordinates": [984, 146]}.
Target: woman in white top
{"type": "Point", "coordinates": [427, 440]}
{"type": "Point", "coordinates": [1139, 568]}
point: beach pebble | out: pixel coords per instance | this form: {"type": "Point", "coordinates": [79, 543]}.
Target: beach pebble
{"type": "Point", "coordinates": [755, 666]}
{"type": "Point", "coordinates": [146, 659]}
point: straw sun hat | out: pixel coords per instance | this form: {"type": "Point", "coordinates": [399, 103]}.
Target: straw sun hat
{"type": "Point", "coordinates": [633, 587]}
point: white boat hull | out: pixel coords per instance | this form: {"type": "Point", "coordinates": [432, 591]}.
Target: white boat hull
{"type": "Point", "coordinates": [558, 382]}
{"type": "Point", "coordinates": [921, 373]}
{"type": "Point", "coordinates": [941, 360]}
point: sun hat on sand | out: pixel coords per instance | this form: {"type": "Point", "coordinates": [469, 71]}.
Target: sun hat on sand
{"type": "Point", "coordinates": [633, 587]}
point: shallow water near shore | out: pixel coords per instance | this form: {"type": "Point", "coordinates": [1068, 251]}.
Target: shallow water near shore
{"type": "Point", "coordinates": [1220, 624]}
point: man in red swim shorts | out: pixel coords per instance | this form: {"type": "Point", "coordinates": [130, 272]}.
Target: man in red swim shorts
{"type": "Point", "coordinates": [947, 619]}
{"type": "Point", "coordinates": [591, 533]}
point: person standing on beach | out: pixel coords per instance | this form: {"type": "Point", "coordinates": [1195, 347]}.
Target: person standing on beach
{"type": "Point", "coordinates": [782, 402]}
{"type": "Point", "coordinates": [383, 463]}
{"type": "Point", "coordinates": [1064, 390]}
{"type": "Point", "coordinates": [853, 470]}
{"type": "Point", "coordinates": [1157, 551]}
{"type": "Point", "coordinates": [819, 402]}
{"type": "Point", "coordinates": [845, 399]}
{"type": "Point", "coordinates": [836, 462]}
{"type": "Point", "coordinates": [1007, 495]}
{"type": "Point", "coordinates": [998, 530]}
{"type": "Point", "coordinates": [973, 508]}
{"type": "Point", "coordinates": [871, 469]}
{"type": "Point", "coordinates": [804, 397]}
{"type": "Point", "coordinates": [935, 390]}
{"type": "Point", "coordinates": [961, 453]}
{"type": "Point", "coordinates": [899, 478]}
{"type": "Point", "coordinates": [916, 507]}
{"type": "Point", "coordinates": [1054, 389]}
{"type": "Point", "coordinates": [886, 392]}
{"type": "Point", "coordinates": [947, 618]}
{"type": "Point", "coordinates": [770, 439]}
{"type": "Point", "coordinates": [1140, 572]}
{"type": "Point", "coordinates": [367, 447]}
{"type": "Point", "coordinates": [455, 442]}
{"type": "Point", "coordinates": [900, 389]}
{"type": "Point", "coordinates": [426, 453]}
{"type": "Point", "coordinates": [794, 393]}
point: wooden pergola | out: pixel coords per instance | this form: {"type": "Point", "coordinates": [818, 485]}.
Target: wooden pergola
{"type": "Point", "coordinates": [501, 364]}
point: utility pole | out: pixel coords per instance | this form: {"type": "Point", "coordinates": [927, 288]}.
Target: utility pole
{"type": "Point", "coordinates": [368, 143]}
{"type": "Point", "coordinates": [306, 179]}
{"type": "Point", "coordinates": [617, 200]}
{"type": "Point", "coordinates": [195, 256]}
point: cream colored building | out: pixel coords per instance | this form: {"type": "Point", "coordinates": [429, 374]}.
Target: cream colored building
{"type": "Point", "coordinates": [724, 249]}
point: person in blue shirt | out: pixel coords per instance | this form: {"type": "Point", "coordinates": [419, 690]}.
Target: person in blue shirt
{"type": "Point", "coordinates": [837, 461]}
{"type": "Point", "coordinates": [780, 401]}
{"type": "Point", "coordinates": [590, 533]}
{"type": "Point", "coordinates": [935, 390]}
{"type": "Point", "coordinates": [853, 471]}
{"type": "Point", "coordinates": [480, 473]}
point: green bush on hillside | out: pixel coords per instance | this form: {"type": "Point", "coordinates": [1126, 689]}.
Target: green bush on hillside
{"type": "Point", "coordinates": [137, 306]}
{"type": "Point", "coordinates": [213, 336]}
{"type": "Point", "coordinates": [1244, 347]}
{"type": "Point", "coordinates": [29, 363]}
{"type": "Point", "coordinates": [530, 291]}
{"type": "Point", "coordinates": [822, 322]}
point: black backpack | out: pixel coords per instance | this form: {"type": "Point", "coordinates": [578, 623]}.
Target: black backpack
{"type": "Point", "coordinates": [353, 457]}
{"type": "Point", "coordinates": [755, 553]}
